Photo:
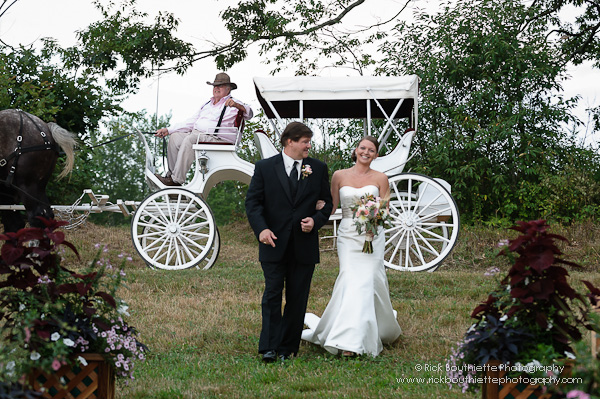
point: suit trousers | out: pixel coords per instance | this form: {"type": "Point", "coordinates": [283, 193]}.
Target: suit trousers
{"type": "Point", "coordinates": [283, 333]}
{"type": "Point", "coordinates": [180, 154]}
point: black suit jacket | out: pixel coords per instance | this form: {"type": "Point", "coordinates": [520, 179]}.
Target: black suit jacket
{"type": "Point", "coordinates": [269, 205]}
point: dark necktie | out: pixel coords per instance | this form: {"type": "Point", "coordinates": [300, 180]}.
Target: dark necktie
{"type": "Point", "coordinates": [294, 179]}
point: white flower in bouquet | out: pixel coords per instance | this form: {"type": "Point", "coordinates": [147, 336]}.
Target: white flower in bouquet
{"type": "Point", "coordinates": [370, 212]}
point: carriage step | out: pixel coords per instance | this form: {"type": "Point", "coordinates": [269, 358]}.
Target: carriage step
{"type": "Point", "coordinates": [97, 199]}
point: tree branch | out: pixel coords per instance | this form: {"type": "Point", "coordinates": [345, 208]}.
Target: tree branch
{"type": "Point", "coordinates": [7, 7]}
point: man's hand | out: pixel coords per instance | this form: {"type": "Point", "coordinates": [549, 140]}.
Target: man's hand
{"type": "Point", "coordinates": [267, 237]}
{"type": "Point", "coordinates": [162, 132]}
{"type": "Point", "coordinates": [231, 103]}
{"type": "Point", "coordinates": [307, 224]}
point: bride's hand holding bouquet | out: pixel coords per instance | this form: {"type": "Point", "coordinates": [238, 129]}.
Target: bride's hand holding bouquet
{"type": "Point", "coordinates": [369, 213]}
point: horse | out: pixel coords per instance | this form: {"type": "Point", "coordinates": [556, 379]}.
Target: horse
{"type": "Point", "coordinates": [29, 149]}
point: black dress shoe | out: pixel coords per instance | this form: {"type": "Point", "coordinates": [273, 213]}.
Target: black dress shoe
{"type": "Point", "coordinates": [269, 356]}
{"type": "Point", "coordinates": [285, 358]}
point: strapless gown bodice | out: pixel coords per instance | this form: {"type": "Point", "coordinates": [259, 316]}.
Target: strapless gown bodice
{"type": "Point", "coordinates": [359, 317]}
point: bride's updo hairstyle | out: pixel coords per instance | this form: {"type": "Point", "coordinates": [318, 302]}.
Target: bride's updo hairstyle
{"type": "Point", "coordinates": [368, 138]}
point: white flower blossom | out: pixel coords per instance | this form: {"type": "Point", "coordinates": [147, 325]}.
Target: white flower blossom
{"type": "Point", "coordinates": [504, 318]}
{"type": "Point", "coordinates": [55, 336]}
{"type": "Point", "coordinates": [123, 310]}
{"type": "Point", "coordinates": [68, 342]}
{"type": "Point", "coordinates": [22, 307]}
{"type": "Point", "coordinates": [569, 355]}
{"type": "Point", "coordinates": [82, 361]}
{"type": "Point", "coordinates": [34, 356]}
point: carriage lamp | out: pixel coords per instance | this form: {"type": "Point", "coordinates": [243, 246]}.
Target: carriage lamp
{"type": "Point", "coordinates": [203, 160]}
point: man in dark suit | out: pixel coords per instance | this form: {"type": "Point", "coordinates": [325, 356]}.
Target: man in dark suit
{"type": "Point", "coordinates": [280, 206]}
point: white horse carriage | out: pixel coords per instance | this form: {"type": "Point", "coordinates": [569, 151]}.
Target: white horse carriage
{"type": "Point", "coordinates": [174, 228]}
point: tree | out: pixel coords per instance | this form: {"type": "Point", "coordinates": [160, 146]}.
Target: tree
{"type": "Point", "coordinates": [493, 119]}
{"type": "Point", "coordinates": [78, 86]}
{"type": "Point", "coordinates": [579, 39]}
{"type": "Point", "coordinates": [492, 116]}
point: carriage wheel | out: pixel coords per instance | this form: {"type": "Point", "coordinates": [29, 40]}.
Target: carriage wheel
{"type": "Point", "coordinates": [175, 229]}
{"type": "Point", "coordinates": [213, 254]}
{"type": "Point", "coordinates": [425, 223]}
{"type": "Point", "coordinates": [208, 262]}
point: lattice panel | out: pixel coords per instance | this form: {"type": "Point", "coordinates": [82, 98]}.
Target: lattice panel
{"type": "Point", "coordinates": [94, 381]}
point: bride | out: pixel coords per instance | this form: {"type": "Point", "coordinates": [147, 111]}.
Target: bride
{"type": "Point", "coordinates": [359, 317]}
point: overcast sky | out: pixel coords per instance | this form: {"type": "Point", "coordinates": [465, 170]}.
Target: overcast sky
{"type": "Point", "coordinates": [29, 20]}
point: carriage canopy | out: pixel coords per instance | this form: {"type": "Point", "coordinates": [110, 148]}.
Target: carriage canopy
{"type": "Point", "coordinates": [338, 97]}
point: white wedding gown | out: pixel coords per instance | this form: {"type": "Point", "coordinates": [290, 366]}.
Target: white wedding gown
{"type": "Point", "coordinates": [359, 317]}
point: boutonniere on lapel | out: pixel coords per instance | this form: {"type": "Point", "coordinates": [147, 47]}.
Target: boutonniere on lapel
{"type": "Point", "coordinates": [306, 171]}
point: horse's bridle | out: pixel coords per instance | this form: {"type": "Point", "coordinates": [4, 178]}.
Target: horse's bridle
{"type": "Point", "coordinates": [20, 150]}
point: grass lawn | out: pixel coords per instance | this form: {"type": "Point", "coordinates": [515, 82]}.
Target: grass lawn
{"type": "Point", "coordinates": [202, 326]}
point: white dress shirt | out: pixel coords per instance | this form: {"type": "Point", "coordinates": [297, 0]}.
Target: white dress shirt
{"type": "Point", "coordinates": [288, 162]}
{"type": "Point", "coordinates": [208, 116]}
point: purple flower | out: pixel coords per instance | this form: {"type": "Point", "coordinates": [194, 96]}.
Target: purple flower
{"type": "Point", "coordinates": [577, 394]}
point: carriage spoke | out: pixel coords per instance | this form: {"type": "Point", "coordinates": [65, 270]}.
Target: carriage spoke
{"type": "Point", "coordinates": [151, 233]}
{"type": "Point", "coordinates": [160, 210]}
{"type": "Point", "coordinates": [198, 214]}
{"type": "Point", "coordinates": [178, 254]}
{"type": "Point", "coordinates": [427, 244]}
{"type": "Point", "coordinates": [153, 244]}
{"type": "Point", "coordinates": [435, 235]}
{"type": "Point", "coordinates": [151, 216]}
{"type": "Point", "coordinates": [417, 248]}
{"type": "Point", "coordinates": [195, 226]}
{"type": "Point", "coordinates": [192, 242]}
{"type": "Point", "coordinates": [185, 247]}
{"type": "Point", "coordinates": [159, 253]}
{"type": "Point", "coordinates": [398, 197]}
{"type": "Point", "coordinates": [184, 213]}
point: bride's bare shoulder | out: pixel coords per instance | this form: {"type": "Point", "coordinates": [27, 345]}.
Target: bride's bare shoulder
{"type": "Point", "coordinates": [340, 173]}
{"type": "Point", "coordinates": [380, 175]}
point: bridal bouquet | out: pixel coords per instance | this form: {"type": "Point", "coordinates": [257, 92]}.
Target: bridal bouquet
{"type": "Point", "coordinates": [369, 213]}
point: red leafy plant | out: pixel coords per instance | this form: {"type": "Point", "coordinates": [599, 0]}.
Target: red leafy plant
{"type": "Point", "coordinates": [534, 316]}
{"type": "Point", "coordinates": [49, 314]}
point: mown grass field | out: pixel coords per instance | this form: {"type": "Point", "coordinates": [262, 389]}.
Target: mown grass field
{"type": "Point", "coordinates": [202, 326]}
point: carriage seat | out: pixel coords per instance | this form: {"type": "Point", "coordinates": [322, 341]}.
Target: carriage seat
{"type": "Point", "coordinates": [235, 132]}
{"type": "Point", "coordinates": [393, 163]}
{"type": "Point", "coordinates": [265, 146]}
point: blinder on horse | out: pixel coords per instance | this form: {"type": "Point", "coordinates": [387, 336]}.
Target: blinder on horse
{"type": "Point", "coordinates": [48, 145]}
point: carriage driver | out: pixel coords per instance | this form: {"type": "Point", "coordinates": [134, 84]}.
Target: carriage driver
{"type": "Point", "coordinates": [220, 110]}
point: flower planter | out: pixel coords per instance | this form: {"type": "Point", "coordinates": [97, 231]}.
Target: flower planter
{"type": "Point", "coordinates": [94, 381]}
{"type": "Point", "coordinates": [512, 390]}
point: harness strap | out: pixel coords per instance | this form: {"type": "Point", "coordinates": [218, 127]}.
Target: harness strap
{"type": "Point", "coordinates": [19, 150]}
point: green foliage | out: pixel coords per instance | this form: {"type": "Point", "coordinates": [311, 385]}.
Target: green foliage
{"type": "Point", "coordinates": [493, 121]}
{"type": "Point", "coordinates": [226, 201]}
{"type": "Point", "coordinates": [78, 86]}
{"type": "Point", "coordinates": [126, 48]}
{"type": "Point", "coordinates": [535, 315]}
{"type": "Point", "coordinates": [287, 31]}
{"type": "Point", "coordinates": [53, 313]}
{"type": "Point", "coordinates": [115, 169]}
{"type": "Point", "coordinates": [32, 81]}
{"type": "Point", "coordinates": [491, 117]}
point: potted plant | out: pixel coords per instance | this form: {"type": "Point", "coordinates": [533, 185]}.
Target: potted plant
{"type": "Point", "coordinates": [55, 320]}
{"type": "Point", "coordinates": [528, 323]}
